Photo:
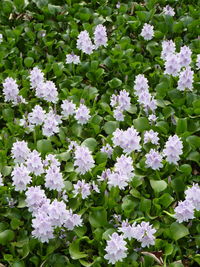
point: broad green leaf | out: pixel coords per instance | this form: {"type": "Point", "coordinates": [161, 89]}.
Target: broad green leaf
{"type": "Point", "coordinates": [44, 146]}
{"type": "Point", "coordinates": [158, 186]}
{"type": "Point", "coordinates": [98, 217]}
{"type": "Point", "coordinates": [90, 143]}
{"type": "Point", "coordinates": [178, 231]}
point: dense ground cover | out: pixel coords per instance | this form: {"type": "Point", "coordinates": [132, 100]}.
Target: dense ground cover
{"type": "Point", "coordinates": [99, 137]}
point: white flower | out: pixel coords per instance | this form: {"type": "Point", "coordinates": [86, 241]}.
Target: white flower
{"type": "Point", "coordinates": [36, 77]}
{"type": "Point", "coordinates": [68, 108]}
{"type": "Point", "coordinates": [173, 149]}
{"type": "Point", "coordinates": [82, 188]}
{"type": "Point", "coordinates": [10, 90]}
{"type": "Point", "coordinates": [20, 151]}
{"type": "Point", "coordinates": [151, 137]}
{"type": "Point", "coordinates": [51, 124]}
{"type": "Point", "coordinates": [147, 32]}
{"type": "Point", "coordinates": [193, 195]}
{"type": "Point", "coordinates": [168, 48]}
{"type": "Point", "coordinates": [184, 211]}
{"type": "Point", "coordinates": [34, 163]}
{"type": "Point", "coordinates": [154, 159]}
{"type": "Point", "coordinates": [169, 11]}
{"type": "Point", "coordinates": [100, 36]}
{"type": "Point", "coordinates": [83, 159]}
{"type": "Point", "coordinates": [20, 177]}
{"type": "Point", "coordinates": [145, 234]}
{"type": "Point", "coordinates": [116, 249]}
{"type": "Point", "coordinates": [37, 116]}
{"type": "Point", "coordinates": [84, 43]}
{"type": "Point", "coordinates": [82, 114]}
{"type": "Point", "coordinates": [172, 65]}
{"type": "Point", "coordinates": [54, 179]}
{"type": "Point", "coordinates": [71, 58]}
{"type": "Point", "coordinates": [186, 79]}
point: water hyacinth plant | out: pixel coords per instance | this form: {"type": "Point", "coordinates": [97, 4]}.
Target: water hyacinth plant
{"type": "Point", "coordinates": [99, 139]}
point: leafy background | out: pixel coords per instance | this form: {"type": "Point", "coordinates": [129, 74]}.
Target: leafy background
{"type": "Point", "coordinates": [41, 33]}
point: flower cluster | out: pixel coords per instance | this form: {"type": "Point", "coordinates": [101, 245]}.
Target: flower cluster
{"type": "Point", "coordinates": [169, 11]}
{"type": "Point", "coordinates": [84, 42]}
{"type": "Point", "coordinates": [173, 149]}
{"type": "Point", "coordinates": [83, 159]}
{"type": "Point", "coordinates": [84, 189]}
{"type": "Point", "coordinates": [185, 209]}
{"type": "Point", "coordinates": [121, 103]}
{"type": "Point", "coordinates": [147, 32]}
{"type": "Point", "coordinates": [128, 140]}
{"type": "Point", "coordinates": [145, 99]}
{"type": "Point", "coordinates": [71, 58]}
{"type": "Point", "coordinates": [116, 248]}
{"type": "Point", "coordinates": [11, 92]}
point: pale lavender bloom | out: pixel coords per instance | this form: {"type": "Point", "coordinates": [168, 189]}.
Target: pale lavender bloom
{"type": "Point", "coordinates": [116, 249]}
{"type": "Point", "coordinates": [100, 36]}
{"type": "Point", "coordinates": [20, 177]}
{"type": "Point", "coordinates": [82, 188]}
{"type": "Point", "coordinates": [104, 175]}
{"type": "Point", "coordinates": [83, 159]}
{"type": "Point", "coordinates": [184, 211]}
{"type": "Point", "coordinates": [68, 108]}
{"type": "Point", "coordinates": [57, 213]}
{"type": "Point", "coordinates": [72, 145]}
{"type": "Point", "coordinates": [121, 102]}
{"type": "Point", "coordinates": [118, 114]}
{"type": "Point", "coordinates": [147, 101]}
{"type": "Point", "coordinates": [48, 91]}
{"type": "Point", "coordinates": [54, 179]}
{"type": "Point", "coordinates": [43, 228]}
{"type": "Point", "coordinates": [34, 163]}
{"type": "Point", "coordinates": [169, 11]}
{"type": "Point", "coordinates": [95, 187]}
{"type": "Point", "coordinates": [84, 43]}
{"type": "Point", "coordinates": [82, 114]}
{"type": "Point", "coordinates": [145, 234]}
{"type": "Point", "coordinates": [35, 198]}
{"type": "Point", "coordinates": [1, 38]}
{"type": "Point", "coordinates": [36, 77]}
{"type": "Point", "coordinates": [127, 230]}
{"type": "Point", "coordinates": [124, 165]}
{"type": "Point", "coordinates": [20, 151]}
{"type": "Point", "coordinates": [141, 84]}
{"type": "Point", "coordinates": [72, 220]}
{"type": "Point", "coordinates": [152, 118]}
{"type": "Point", "coordinates": [173, 149]}
{"type": "Point", "coordinates": [154, 159]}
{"type": "Point", "coordinates": [193, 195]}
{"type": "Point", "coordinates": [118, 5]}
{"type": "Point", "coordinates": [108, 150]}
{"type": "Point", "coordinates": [71, 58]}
{"type": "Point", "coordinates": [198, 61]}
{"type": "Point", "coordinates": [118, 179]}
{"type": "Point", "coordinates": [51, 160]}
{"type": "Point", "coordinates": [151, 137]}
{"type": "Point", "coordinates": [168, 48]}
{"type": "Point", "coordinates": [185, 56]}
{"type": "Point", "coordinates": [1, 180]}
{"type": "Point", "coordinates": [186, 78]}
{"type": "Point", "coordinates": [147, 32]}
{"type": "Point", "coordinates": [10, 90]}
{"type": "Point", "coordinates": [37, 116]}
{"type": "Point", "coordinates": [51, 124]}
{"type": "Point", "coordinates": [128, 140]}
{"type": "Point", "coordinates": [172, 65]}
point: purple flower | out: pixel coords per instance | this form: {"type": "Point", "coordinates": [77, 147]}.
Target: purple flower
{"type": "Point", "coordinates": [34, 163]}
{"type": "Point", "coordinates": [71, 58]}
{"type": "Point", "coordinates": [185, 56]}
{"type": "Point", "coordinates": [83, 159]}
{"type": "Point", "coordinates": [100, 36]}
{"type": "Point", "coordinates": [172, 65]}
{"type": "Point", "coordinates": [168, 48]}
{"type": "Point", "coordinates": [82, 114]}
{"type": "Point", "coordinates": [37, 116]}
{"type": "Point", "coordinates": [186, 78]}
{"type": "Point", "coordinates": [68, 108]}
{"type": "Point", "coordinates": [169, 11]}
{"type": "Point", "coordinates": [184, 211]}
{"type": "Point", "coordinates": [193, 195]}
{"type": "Point", "coordinates": [82, 188]}
{"type": "Point", "coordinates": [84, 43]}
{"type": "Point", "coordinates": [54, 179]}
{"type": "Point", "coordinates": [116, 249]}
{"type": "Point", "coordinates": [145, 234]}
{"type": "Point", "coordinates": [147, 32]}
{"type": "Point", "coordinates": [151, 137]}
{"type": "Point", "coordinates": [108, 150]}
{"type": "Point", "coordinates": [20, 151]}
{"type": "Point", "coordinates": [154, 159]}
{"type": "Point", "coordinates": [20, 177]}
{"type": "Point", "coordinates": [173, 149]}
{"type": "Point", "coordinates": [36, 77]}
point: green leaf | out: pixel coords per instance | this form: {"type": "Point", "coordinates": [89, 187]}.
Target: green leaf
{"type": "Point", "coordinates": [115, 82]}
{"type": "Point", "coordinates": [194, 141]}
{"type": "Point", "coordinates": [28, 61]}
{"type": "Point", "coordinates": [44, 146]}
{"type": "Point", "coordinates": [74, 250]}
{"type": "Point", "coordinates": [6, 236]}
{"type": "Point", "coordinates": [141, 124]}
{"type": "Point", "coordinates": [178, 231]}
{"type": "Point", "coordinates": [181, 126]}
{"type": "Point", "coordinates": [158, 186]}
{"type": "Point", "coordinates": [110, 126]}
{"type": "Point", "coordinates": [98, 217]}
{"type": "Point", "coordinates": [91, 143]}
{"type": "Point", "coordinates": [106, 235]}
